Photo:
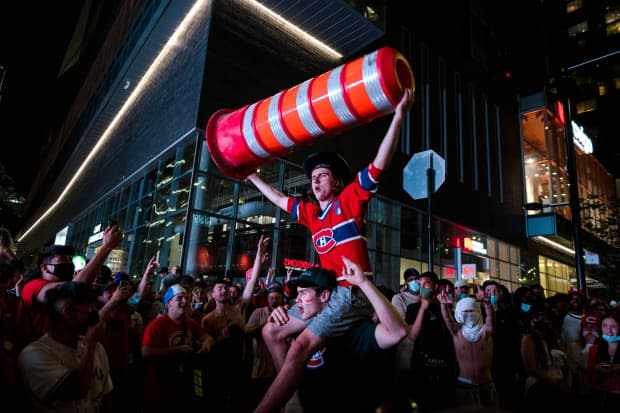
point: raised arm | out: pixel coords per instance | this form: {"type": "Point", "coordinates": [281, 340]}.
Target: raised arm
{"type": "Point", "coordinates": [390, 140]}
{"type": "Point", "coordinates": [112, 236]}
{"type": "Point", "coordinates": [275, 196]}
{"type": "Point", "coordinates": [416, 327]}
{"type": "Point", "coordinates": [392, 328]}
{"type": "Point", "coordinates": [446, 313]}
{"type": "Point", "coordinates": [489, 322]}
{"type": "Point", "coordinates": [260, 258]}
{"type": "Point", "coordinates": [145, 283]}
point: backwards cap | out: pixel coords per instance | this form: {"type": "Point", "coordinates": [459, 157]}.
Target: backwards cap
{"type": "Point", "coordinates": [172, 292]}
{"type": "Point", "coordinates": [316, 277]}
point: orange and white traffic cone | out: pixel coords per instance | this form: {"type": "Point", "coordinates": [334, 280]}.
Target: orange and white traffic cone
{"type": "Point", "coordinates": [357, 92]}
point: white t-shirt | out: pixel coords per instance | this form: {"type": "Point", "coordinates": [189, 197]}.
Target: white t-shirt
{"type": "Point", "coordinates": [405, 348]}
{"type": "Point", "coordinates": [572, 338]}
{"type": "Point", "coordinates": [45, 363]}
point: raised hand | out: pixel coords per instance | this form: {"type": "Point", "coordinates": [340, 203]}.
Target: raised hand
{"type": "Point", "coordinates": [352, 272]}
{"type": "Point", "coordinates": [279, 315]}
{"type": "Point", "coordinates": [405, 102]}
{"type": "Point", "coordinates": [444, 298]}
{"type": "Point", "coordinates": [263, 242]}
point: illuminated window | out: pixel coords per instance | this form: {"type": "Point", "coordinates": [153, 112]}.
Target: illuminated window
{"type": "Point", "coordinates": [612, 16]}
{"type": "Point", "coordinates": [602, 88]}
{"type": "Point", "coordinates": [574, 6]}
{"type": "Point", "coordinates": [586, 106]}
{"type": "Point", "coordinates": [578, 28]}
{"type": "Point", "coordinates": [613, 29]}
{"type": "Point", "coordinates": [616, 82]}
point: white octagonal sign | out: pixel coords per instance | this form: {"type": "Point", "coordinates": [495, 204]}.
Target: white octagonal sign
{"type": "Point", "coordinates": [415, 179]}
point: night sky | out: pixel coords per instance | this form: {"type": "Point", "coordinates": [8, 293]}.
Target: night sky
{"type": "Point", "coordinates": [34, 37]}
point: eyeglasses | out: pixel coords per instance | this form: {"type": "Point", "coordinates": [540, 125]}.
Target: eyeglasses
{"type": "Point", "coordinates": [321, 176]}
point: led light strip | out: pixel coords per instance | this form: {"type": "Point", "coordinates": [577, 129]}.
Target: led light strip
{"type": "Point", "coordinates": [161, 59]}
{"type": "Point", "coordinates": [297, 30]}
{"type": "Point", "coordinates": [555, 245]}
{"type": "Point", "coordinates": [169, 47]}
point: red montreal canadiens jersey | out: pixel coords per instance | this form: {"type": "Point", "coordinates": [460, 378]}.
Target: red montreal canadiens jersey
{"type": "Point", "coordinates": [339, 229]}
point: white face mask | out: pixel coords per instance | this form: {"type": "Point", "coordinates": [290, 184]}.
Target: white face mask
{"type": "Point", "coordinates": [467, 313]}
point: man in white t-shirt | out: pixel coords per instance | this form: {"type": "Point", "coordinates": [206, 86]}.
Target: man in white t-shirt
{"type": "Point", "coordinates": [65, 371]}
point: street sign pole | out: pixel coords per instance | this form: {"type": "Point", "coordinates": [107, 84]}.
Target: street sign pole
{"type": "Point", "coordinates": [430, 174]}
{"type": "Point", "coordinates": [429, 165]}
{"type": "Point", "coordinates": [571, 166]}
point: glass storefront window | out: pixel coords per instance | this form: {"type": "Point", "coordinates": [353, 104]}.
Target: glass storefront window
{"type": "Point", "coordinates": [386, 270]}
{"type": "Point", "coordinates": [180, 193]}
{"type": "Point", "coordinates": [214, 194]}
{"type": "Point", "coordinates": [207, 244]}
{"type": "Point", "coordinates": [383, 212]}
{"type": "Point", "coordinates": [544, 151]}
{"type": "Point", "coordinates": [295, 244]}
{"type": "Point", "coordinates": [554, 276]}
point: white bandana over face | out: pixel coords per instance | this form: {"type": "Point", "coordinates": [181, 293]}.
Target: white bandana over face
{"type": "Point", "coordinates": [469, 316]}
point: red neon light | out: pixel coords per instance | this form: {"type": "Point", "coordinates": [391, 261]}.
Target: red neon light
{"type": "Point", "coordinates": [468, 270]}
{"type": "Point", "coordinates": [289, 262]}
{"type": "Point", "coordinates": [559, 109]}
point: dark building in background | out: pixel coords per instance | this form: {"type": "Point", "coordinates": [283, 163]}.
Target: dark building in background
{"type": "Point", "coordinates": [132, 145]}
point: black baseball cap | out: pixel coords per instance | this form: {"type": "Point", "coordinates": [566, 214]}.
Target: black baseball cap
{"type": "Point", "coordinates": [118, 278]}
{"type": "Point", "coordinates": [316, 277]}
{"type": "Point", "coordinates": [411, 272]}
{"type": "Point", "coordinates": [53, 250]}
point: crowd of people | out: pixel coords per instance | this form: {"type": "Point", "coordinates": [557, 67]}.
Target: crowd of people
{"type": "Point", "coordinates": [328, 339]}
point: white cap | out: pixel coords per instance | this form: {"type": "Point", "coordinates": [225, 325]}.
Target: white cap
{"type": "Point", "coordinates": [461, 283]}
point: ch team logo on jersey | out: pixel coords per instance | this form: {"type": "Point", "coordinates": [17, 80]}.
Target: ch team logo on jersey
{"type": "Point", "coordinates": [324, 240]}
{"type": "Point", "coordinates": [316, 360]}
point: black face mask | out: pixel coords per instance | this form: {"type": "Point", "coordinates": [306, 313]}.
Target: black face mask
{"type": "Point", "coordinates": [64, 271]}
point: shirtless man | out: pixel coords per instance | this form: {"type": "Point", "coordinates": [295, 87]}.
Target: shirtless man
{"type": "Point", "coordinates": [473, 345]}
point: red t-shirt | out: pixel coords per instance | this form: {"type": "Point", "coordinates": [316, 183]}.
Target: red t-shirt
{"type": "Point", "coordinates": [32, 316]}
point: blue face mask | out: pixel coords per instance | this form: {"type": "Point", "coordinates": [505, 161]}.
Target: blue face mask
{"type": "Point", "coordinates": [525, 307]}
{"type": "Point", "coordinates": [134, 300]}
{"type": "Point", "coordinates": [463, 295]}
{"type": "Point", "coordinates": [426, 292]}
{"type": "Point", "coordinates": [610, 339]}
{"type": "Point", "coordinates": [451, 297]}
{"type": "Point", "coordinates": [493, 299]}
{"type": "Point", "coordinates": [414, 286]}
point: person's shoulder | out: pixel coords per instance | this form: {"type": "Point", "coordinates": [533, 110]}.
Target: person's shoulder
{"type": "Point", "coordinates": [398, 298]}
{"type": "Point", "coordinates": [32, 288]}
{"type": "Point", "coordinates": [261, 311]}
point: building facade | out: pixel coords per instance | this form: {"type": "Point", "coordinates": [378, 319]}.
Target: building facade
{"type": "Point", "coordinates": [137, 134]}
